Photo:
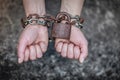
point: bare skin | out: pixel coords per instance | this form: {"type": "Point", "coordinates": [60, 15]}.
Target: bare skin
{"type": "Point", "coordinates": [77, 46]}
{"type": "Point", "coordinates": [33, 40]}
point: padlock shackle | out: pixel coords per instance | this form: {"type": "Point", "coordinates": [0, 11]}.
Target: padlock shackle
{"type": "Point", "coordinates": [63, 15]}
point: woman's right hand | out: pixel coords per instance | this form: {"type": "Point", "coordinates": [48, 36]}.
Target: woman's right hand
{"type": "Point", "coordinates": [32, 43]}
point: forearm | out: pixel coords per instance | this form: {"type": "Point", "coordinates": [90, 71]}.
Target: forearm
{"type": "Point", "coordinates": [72, 7]}
{"type": "Point", "coordinates": [34, 7]}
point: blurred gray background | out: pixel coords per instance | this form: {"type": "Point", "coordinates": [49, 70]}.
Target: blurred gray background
{"type": "Point", "coordinates": [102, 29]}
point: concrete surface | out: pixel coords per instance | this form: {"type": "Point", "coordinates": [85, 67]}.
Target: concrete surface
{"type": "Point", "coordinates": [102, 29]}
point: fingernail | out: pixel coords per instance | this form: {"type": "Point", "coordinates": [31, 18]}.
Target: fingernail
{"type": "Point", "coordinates": [81, 60]}
{"type": "Point", "coordinates": [19, 60]}
{"type": "Point", "coordinates": [40, 55]}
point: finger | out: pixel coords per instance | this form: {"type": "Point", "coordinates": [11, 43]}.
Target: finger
{"type": "Point", "coordinates": [70, 51]}
{"type": "Point", "coordinates": [59, 47]}
{"type": "Point", "coordinates": [84, 52]}
{"type": "Point", "coordinates": [32, 53]}
{"type": "Point", "coordinates": [64, 50]}
{"type": "Point", "coordinates": [38, 50]}
{"type": "Point", "coordinates": [60, 40]}
{"type": "Point", "coordinates": [26, 54]}
{"type": "Point", "coordinates": [76, 52]}
{"type": "Point", "coordinates": [43, 47]}
{"type": "Point", "coordinates": [21, 50]}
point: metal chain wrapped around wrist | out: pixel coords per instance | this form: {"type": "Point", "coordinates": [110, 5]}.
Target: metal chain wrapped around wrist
{"type": "Point", "coordinates": [54, 24]}
{"type": "Point", "coordinates": [33, 19]}
{"type": "Point", "coordinates": [48, 20]}
{"type": "Point", "coordinates": [75, 20]}
{"type": "Point", "coordinates": [78, 21]}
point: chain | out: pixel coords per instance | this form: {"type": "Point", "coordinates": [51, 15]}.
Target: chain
{"type": "Point", "coordinates": [48, 20]}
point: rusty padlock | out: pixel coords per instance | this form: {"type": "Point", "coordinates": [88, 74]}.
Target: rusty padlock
{"type": "Point", "coordinates": [62, 30]}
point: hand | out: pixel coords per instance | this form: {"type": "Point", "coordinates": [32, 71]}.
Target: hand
{"type": "Point", "coordinates": [33, 43]}
{"type": "Point", "coordinates": [76, 47]}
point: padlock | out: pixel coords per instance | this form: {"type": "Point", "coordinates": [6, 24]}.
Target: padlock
{"type": "Point", "coordinates": [62, 30]}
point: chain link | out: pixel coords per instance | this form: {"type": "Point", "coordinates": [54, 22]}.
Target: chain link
{"type": "Point", "coordinates": [48, 20]}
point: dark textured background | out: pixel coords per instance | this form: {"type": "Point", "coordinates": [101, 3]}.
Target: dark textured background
{"type": "Point", "coordinates": [102, 29]}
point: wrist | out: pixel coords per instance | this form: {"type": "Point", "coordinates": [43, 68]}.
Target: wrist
{"type": "Point", "coordinates": [33, 19]}
{"type": "Point", "coordinates": [34, 7]}
{"type": "Point", "coordinates": [72, 7]}
{"type": "Point", "coordinates": [71, 12]}
{"type": "Point", "coordinates": [40, 13]}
